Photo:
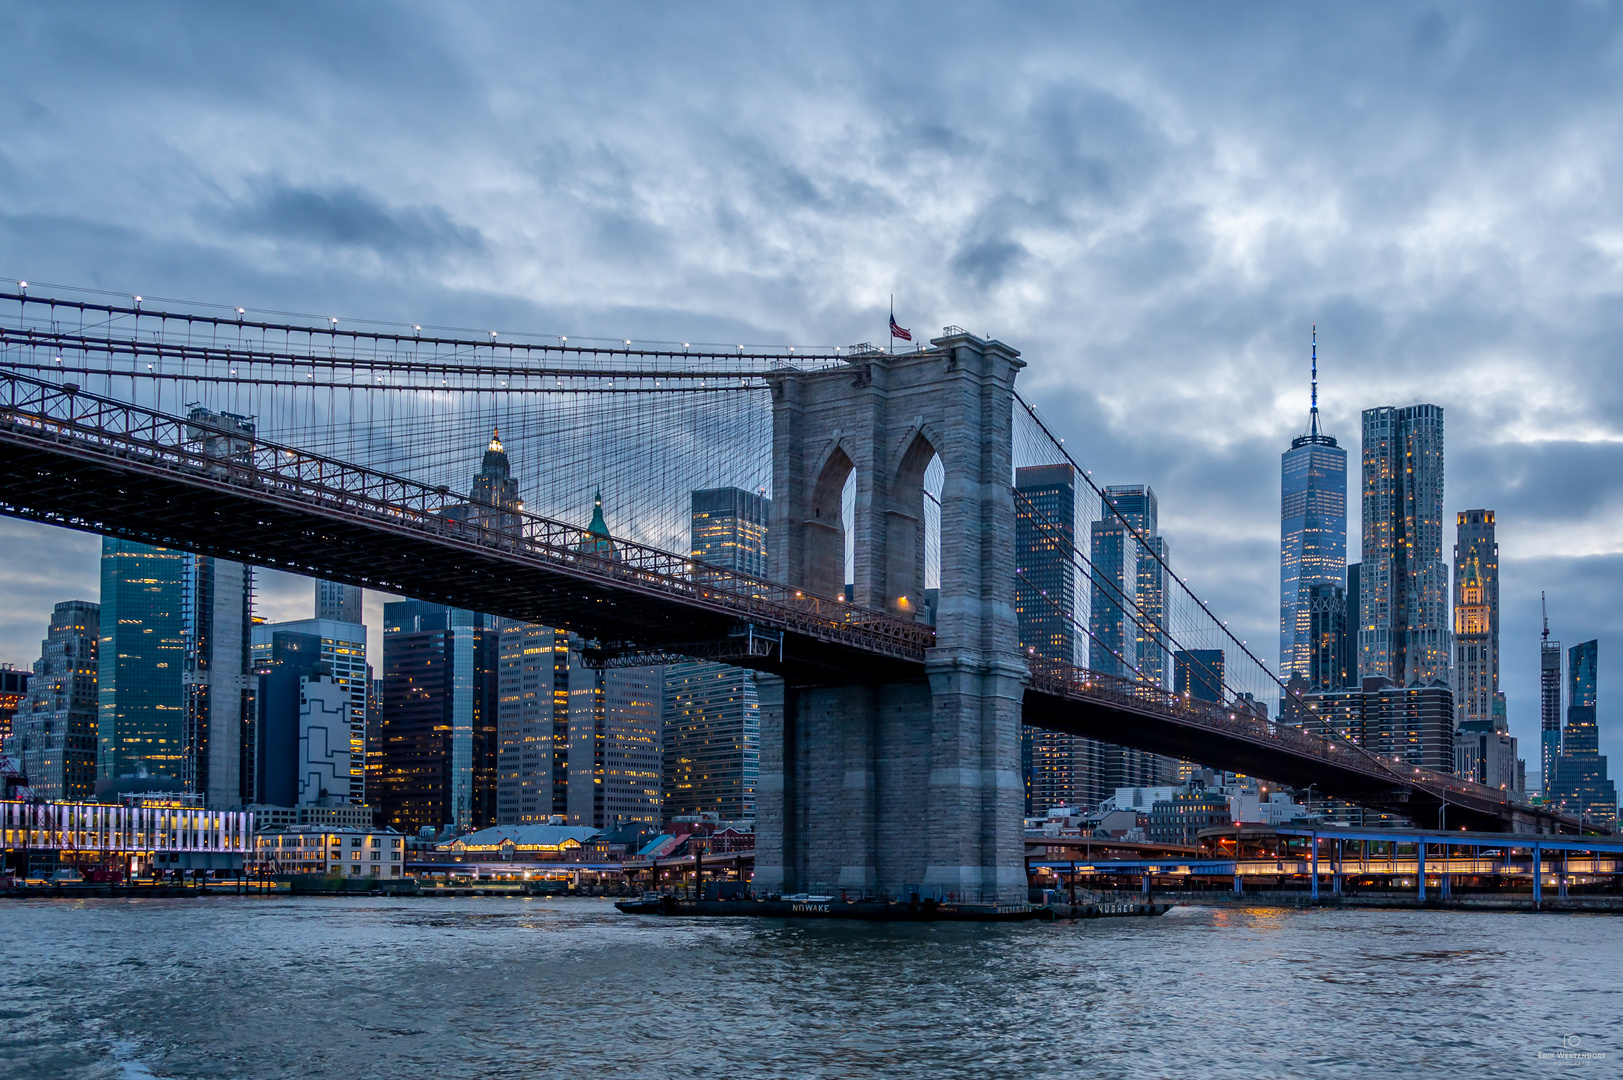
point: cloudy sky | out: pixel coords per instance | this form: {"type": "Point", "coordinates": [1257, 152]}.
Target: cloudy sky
{"type": "Point", "coordinates": [1152, 202]}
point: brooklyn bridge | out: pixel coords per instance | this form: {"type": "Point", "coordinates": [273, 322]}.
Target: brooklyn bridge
{"type": "Point", "coordinates": [894, 680]}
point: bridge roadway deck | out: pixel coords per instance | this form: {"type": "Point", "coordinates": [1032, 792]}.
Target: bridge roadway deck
{"type": "Point", "coordinates": [86, 462]}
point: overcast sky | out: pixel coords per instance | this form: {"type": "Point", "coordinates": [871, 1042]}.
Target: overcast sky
{"type": "Point", "coordinates": [1152, 202]}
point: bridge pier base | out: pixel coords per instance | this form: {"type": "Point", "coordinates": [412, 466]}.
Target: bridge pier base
{"type": "Point", "coordinates": [903, 790]}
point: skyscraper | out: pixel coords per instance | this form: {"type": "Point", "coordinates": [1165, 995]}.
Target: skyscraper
{"type": "Point", "coordinates": [438, 717]}
{"type": "Point", "coordinates": [54, 730]}
{"type": "Point", "coordinates": [1549, 709]}
{"type": "Point", "coordinates": [532, 756]}
{"type": "Point", "coordinates": [1476, 615]}
{"type": "Point", "coordinates": [303, 729]}
{"type": "Point", "coordinates": [141, 663]}
{"type": "Point", "coordinates": [1145, 610]}
{"type": "Point", "coordinates": [614, 745]}
{"type": "Point", "coordinates": [1127, 606]}
{"type": "Point", "coordinates": [1581, 783]}
{"type": "Point", "coordinates": [172, 680]}
{"type": "Point", "coordinates": [493, 499]}
{"type": "Point", "coordinates": [1127, 619]}
{"type": "Point", "coordinates": [1414, 724]}
{"type": "Point", "coordinates": [1404, 628]}
{"type": "Point", "coordinates": [1312, 532]}
{"type": "Point", "coordinates": [728, 529]}
{"type": "Point", "coordinates": [343, 650]}
{"type": "Point", "coordinates": [711, 712]}
{"type": "Point", "coordinates": [338, 602]}
{"type": "Point", "coordinates": [1045, 554]}
{"type": "Point", "coordinates": [1058, 768]}
{"type": "Point", "coordinates": [217, 679]}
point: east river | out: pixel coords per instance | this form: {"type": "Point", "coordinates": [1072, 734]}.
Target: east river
{"type": "Point", "coordinates": [494, 988]}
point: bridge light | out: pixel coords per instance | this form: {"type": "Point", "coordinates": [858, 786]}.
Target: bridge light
{"type": "Point", "coordinates": [137, 299]}
{"type": "Point", "coordinates": [22, 284]}
{"type": "Point", "coordinates": [563, 339]}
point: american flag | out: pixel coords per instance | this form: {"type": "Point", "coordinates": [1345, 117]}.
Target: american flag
{"type": "Point", "coordinates": [899, 332]}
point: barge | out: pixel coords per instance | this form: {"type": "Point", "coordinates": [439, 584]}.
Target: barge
{"type": "Point", "coordinates": [832, 907]}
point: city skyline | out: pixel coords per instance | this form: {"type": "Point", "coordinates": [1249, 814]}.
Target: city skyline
{"type": "Point", "coordinates": [783, 507]}
{"type": "Point", "coordinates": [1192, 385]}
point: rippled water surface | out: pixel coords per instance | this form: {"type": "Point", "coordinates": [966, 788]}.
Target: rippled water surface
{"type": "Point", "coordinates": [482, 988]}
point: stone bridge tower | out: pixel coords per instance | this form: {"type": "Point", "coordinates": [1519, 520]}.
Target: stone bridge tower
{"type": "Point", "coordinates": [911, 786]}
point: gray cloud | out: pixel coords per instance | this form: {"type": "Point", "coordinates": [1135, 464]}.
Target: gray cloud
{"type": "Point", "coordinates": [349, 217]}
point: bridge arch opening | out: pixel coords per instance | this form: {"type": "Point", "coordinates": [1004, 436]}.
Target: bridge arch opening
{"type": "Point", "coordinates": [912, 548]}
{"type": "Point", "coordinates": [828, 527]}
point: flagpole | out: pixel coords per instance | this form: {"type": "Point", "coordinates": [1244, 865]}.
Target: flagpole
{"type": "Point", "coordinates": [889, 334]}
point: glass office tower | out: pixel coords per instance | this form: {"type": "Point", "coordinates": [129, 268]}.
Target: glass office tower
{"type": "Point", "coordinates": [711, 716]}
{"type": "Point", "coordinates": [1404, 631]}
{"type": "Point", "coordinates": [1582, 787]}
{"type": "Point", "coordinates": [141, 662]}
{"type": "Point", "coordinates": [1312, 533]}
{"type": "Point", "coordinates": [1058, 768]}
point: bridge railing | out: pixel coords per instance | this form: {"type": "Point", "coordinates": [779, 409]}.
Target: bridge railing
{"type": "Point", "coordinates": [1069, 681]}
{"type": "Point", "coordinates": [96, 427]}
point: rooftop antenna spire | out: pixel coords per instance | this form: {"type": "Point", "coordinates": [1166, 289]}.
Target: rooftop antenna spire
{"type": "Point", "coordinates": [1546, 610]}
{"type": "Point", "coordinates": [1314, 413]}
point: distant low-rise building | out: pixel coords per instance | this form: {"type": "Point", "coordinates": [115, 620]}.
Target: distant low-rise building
{"type": "Point", "coordinates": [1178, 820]}
{"type": "Point", "coordinates": [1258, 808]}
{"type": "Point", "coordinates": [520, 843]}
{"type": "Point", "coordinates": [314, 849]}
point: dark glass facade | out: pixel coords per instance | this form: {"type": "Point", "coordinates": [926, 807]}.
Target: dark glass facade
{"type": "Point", "coordinates": [438, 718]}
{"type": "Point", "coordinates": [711, 718]}
{"type": "Point", "coordinates": [1059, 769]}
{"type": "Point", "coordinates": [1582, 787]}
{"type": "Point", "coordinates": [1045, 554]}
{"type": "Point", "coordinates": [291, 656]}
{"type": "Point", "coordinates": [1328, 643]}
{"type": "Point", "coordinates": [1312, 540]}
{"type": "Point", "coordinates": [1549, 680]}
{"type": "Point", "coordinates": [140, 663]}
{"type": "Point", "coordinates": [1199, 674]}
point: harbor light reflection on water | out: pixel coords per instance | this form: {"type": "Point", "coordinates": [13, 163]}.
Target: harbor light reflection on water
{"type": "Point", "coordinates": [495, 987]}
